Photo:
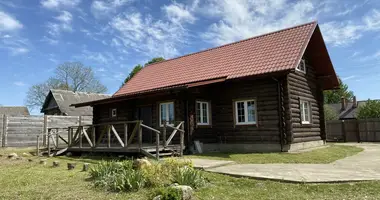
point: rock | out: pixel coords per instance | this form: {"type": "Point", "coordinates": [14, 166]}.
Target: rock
{"type": "Point", "coordinates": [26, 154]}
{"type": "Point", "coordinates": [43, 161]}
{"type": "Point", "coordinates": [69, 154]}
{"type": "Point", "coordinates": [55, 163]}
{"type": "Point", "coordinates": [30, 160]}
{"type": "Point", "coordinates": [141, 163]}
{"type": "Point", "coordinates": [157, 197]}
{"type": "Point", "coordinates": [85, 166]}
{"type": "Point", "coordinates": [187, 191]}
{"type": "Point", "coordinates": [12, 155]}
{"type": "Point", "coordinates": [19, 158]}
{"type": "Point", "coordinates": [71, 166]}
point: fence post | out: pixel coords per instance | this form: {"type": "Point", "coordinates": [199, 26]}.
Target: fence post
{"type": "Point", "coordinates": [93, 136]}
{"type": "Point", "coordinates": [109, 136]}
{"type": "Point", "coordinates": [69, 137]}
{"type": "Point", "coordinates": [164, 133]}
{"type": "Point", "coordinates": [358, 131]}
{"type": "Point", "coordinates": [157, 146]}
{"type": "Point", "coordinates": [38, 145]}
{"type": "Point", "coordinates": [45, 131]}
{"type": "Point", "coordinates": [140, 135]}
{"type": "Point", "coordinates": [344, 132]}
{"type": "Point", "coordinates": [5, 134]}
{"type": "Point", "coordinates": [57, 140]}
{"type": "Point", "coordinates": [126, 136]}
{"type": "Point", "coordinates": [48, 143]}
{"type": "Point", "coordinates": [366, 130]}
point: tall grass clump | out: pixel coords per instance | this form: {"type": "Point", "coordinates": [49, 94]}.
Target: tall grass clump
{"type": "Point", "coordinates": [188, 176]}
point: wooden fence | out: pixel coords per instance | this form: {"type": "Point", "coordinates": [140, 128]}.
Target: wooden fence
{"type": "Point", "coordinates": [366, 130]}
{"type": "Point", "coordinates": [22, 131]}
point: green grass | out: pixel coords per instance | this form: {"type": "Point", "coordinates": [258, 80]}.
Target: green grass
{"type": "Point", "coordinates": [317, 156]}
{"type": "Point", "coordinates": [20, 179]}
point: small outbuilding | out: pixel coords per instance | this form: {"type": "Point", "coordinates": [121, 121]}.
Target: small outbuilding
{"type": "Point", "coordinates": [58, 102]}
{"type": "Point", "coordinates": [14, 111]}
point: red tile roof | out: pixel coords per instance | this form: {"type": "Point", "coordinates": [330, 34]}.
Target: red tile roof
{"type": "Point", "coordinates": [272, 52]}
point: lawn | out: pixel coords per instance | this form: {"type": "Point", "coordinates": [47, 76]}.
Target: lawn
{"type": "Point", "coordinates": [317, 156]}
{"type": "Point", "coordinates": [20, 179]}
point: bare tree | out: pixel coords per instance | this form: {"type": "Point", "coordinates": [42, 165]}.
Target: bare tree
{"type": "Point", "coordinates": [73, 76]}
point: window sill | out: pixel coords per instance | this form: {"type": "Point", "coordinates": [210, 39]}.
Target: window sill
{"type": "Point", "coordinates": [246, 124]}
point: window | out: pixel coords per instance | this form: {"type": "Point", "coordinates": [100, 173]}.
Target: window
{"type": "Point", "coordinates": [305, 112]}
{"type": "Point", "coordinates": [114, 112]}
{"type": "Point", "coordinates": [167, 113]}
{"type": "Point", "coordinates": [203, 117]}
{"type": "Point", "coordinates": [245, 112]}
{"type": "Point", "coordinates": [302, 66]}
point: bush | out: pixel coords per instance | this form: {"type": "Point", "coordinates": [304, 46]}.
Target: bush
{"type": "Point", "coordinates": [106, 168]}
{"type": "Point", "coordinates": [188, 176]}
{"type": "Point", "coordinates": [168, 193]}
{"type": "Point", "coordinates": [370, 110]}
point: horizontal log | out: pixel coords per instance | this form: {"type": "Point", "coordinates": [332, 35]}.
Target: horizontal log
{"type": "Point", "coordinates": [296, 129]}
{"type": "Point", "coordinates": [306, 139]}
{"type": "Point", "coordinates": [306, 134]}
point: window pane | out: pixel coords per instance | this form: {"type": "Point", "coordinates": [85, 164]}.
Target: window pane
{"type": "Point", "coordinates": [307, 113]}
{"type": "Point", "coordinates": [240, 111]}
{"type": "Point", "coordinates": [251, 111]}
{"type": "Point", "coordinates": [163, 113]}
{"type": "Point", "coordinates": [198, 113]}
{"type": "Point", "coordinates": [171, 113]}
{"type": "Point", "coordinates": [205, 113]}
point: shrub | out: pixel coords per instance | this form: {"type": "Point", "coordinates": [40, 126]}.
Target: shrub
{"type": "Point", "coordinates": [168, 194]}
{"type": "Point", "coordinates": [188, 176]}
{"type": "Point", "coordinates": [371, 109]}
{"type": "Point", "coordinates": [106, 168]}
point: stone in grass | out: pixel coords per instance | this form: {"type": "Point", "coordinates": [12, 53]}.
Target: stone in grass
{"type": "Point", "coordinates": [55, 163]}
{"type": "Point", "coordinates": [159, 197]}
{"type": "Point", "coordinates": [71, 166]}
{"type": "Point", "coordinates": [26, 154]}
{"type": "Point", "coordinates": [85, 166]}
{"type": "Point", "coordinates": [12, 155]}
{"type": "Point", "coordinates": [68, 154]}
{"type": "Point", "coordinates": [186, 191]}
{"type": "Point", "coordinates": [30, 160]}
{"type": "Point", "coordinates": [43, 161]}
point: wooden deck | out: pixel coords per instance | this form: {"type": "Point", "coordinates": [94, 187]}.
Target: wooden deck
{"type": "Point", "coordinates": [84, 139]}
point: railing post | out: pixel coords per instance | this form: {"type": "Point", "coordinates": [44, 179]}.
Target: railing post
{"type": "Point", "coordinates": [45, 131]}
{"type": "Point", "coordinates": [69, 137]}
{"type": "Point", "coordinates": [126, 135]}
{"type": "Point", "coordinates": [182, 140]}
{"type": "Point", "coordinates": [140, 135]}
{"type": "Point", "coordinates": [164, 134]}
{"type": "Point", "coordinates": [109, 135]}
{"type": "Point", "coordinates": [80, 136]}
{"type": "Point", "coordinates": [38, 145]}
{"type": "Point", "coordinates": [93, 136]}
{"type": "Point", "coordinates": [48, 142]}
{"type": "Point", "coordinates": [57, 139]}
{"type": "Point", "coordinates": [157, 146]}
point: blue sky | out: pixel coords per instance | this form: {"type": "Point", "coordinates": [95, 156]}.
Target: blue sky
{"type": "Point", "coordinates": [114, 35]}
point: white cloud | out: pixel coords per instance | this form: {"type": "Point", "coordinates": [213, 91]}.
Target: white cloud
{"type": "Point", "coordinates": [348, 78]}
{"type": "Point", "coordinates": [19, 83]}
{"type": "Point", "coordinates": [57, 4]}
{"type": "Point", "coordinates": [148, 36]}
{"type": "Point", "coordinates": [49, 40]}
{"type": "Point", "coordinates": [64, 24]}
{"type": "Point", "coordinates": [7, 36]}
{"type": "Point", "coordinates": [372, 20]}
{"type": "Point", "coordinates": [178, 13]}
{"type": "Point", "coordinates": [65, 17]}
{"type": "Point", "coordinates": [9, 23]}
{"type": "Point", "coordinates": [242, 19]}
{"type": "Point", "coordinates": [15, 45]}
{"type": "Point", "coordinates": [103, 8]}
{"type": "Point", "coordinates": [375, 56]}
{"type": "Point", "coordinates": [341, 33]}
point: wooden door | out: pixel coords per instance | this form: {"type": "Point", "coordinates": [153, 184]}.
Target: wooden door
{"type": "Point", "coordinates": [145, 114]}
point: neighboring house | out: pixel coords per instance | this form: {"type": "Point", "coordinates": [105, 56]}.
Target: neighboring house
{"type": "Point", "coordinates": [260, 94]}
{"type": "Point", "coordinates": [14, 110]}
{"type": "Point", "coordinates": [58, 102]}
{"type": "Point", "coordinates": [347, 110]}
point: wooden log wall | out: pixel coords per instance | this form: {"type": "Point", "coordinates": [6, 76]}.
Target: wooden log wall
{"type": "Point", "coordinates": [223, 128]}
{"type": "Point", "coordinates": [305, 87]}
{"type": "Point", "coordinates": [22, 131]}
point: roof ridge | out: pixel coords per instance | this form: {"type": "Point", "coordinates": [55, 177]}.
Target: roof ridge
{"type": "Point", "coordinates": [80, 92]}
{"type": "Point", "coordinates": [236, 42]}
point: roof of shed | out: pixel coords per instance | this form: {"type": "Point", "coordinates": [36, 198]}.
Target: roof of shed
{"type": "Point", "coordinates": [65, 98]}
{"type": "Point", "coordinates": [14, 110]}
{"type": "Point", "coordinates": [350, 112]}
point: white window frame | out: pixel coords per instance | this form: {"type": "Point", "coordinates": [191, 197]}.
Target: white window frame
{"type": "Point", "coordinates": [246, 122]}
{"type": "Point", "coordinates": [113, 112]}
{"type": "Point", "coordinates": [302, 110]}
{"type": "Point", "coordinates": [167, 113]}
{"type": "Point", "coordinates": [201, 112]}
{"type": "Point", "coordinates": [298, 68]}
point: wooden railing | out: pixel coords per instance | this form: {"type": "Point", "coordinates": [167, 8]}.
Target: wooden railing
{"type": "Point", "coordinates": [109, 129]}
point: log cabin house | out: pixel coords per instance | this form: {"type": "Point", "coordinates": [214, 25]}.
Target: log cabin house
{"type": "Point", "coordinates": [262, 94]}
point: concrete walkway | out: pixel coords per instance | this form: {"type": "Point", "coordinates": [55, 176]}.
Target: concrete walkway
{"type": "Point", "coordinates": [360, 167]}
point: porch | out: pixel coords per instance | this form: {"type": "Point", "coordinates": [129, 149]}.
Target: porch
{"type": "Point", "coordinates": [117, 137]}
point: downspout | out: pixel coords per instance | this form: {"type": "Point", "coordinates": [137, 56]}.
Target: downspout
{"type": "Point", "coordinates": [280, 113]}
